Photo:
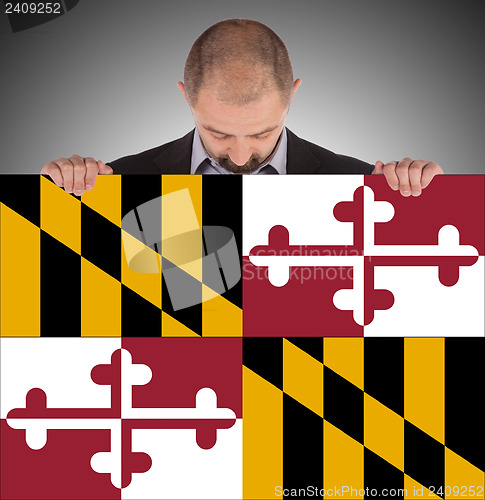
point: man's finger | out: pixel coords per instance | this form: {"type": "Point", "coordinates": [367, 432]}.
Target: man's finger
{"type": "Point", "coordinates": [378, 168]}
{"type": "Point", "coordinates": [79, 174]}
{"type": "Point", "coordinates": [91, 172]}
{"type": "Point", "coordinates": [67, 171]}
{"type": "Point", "coordinates": [415, 171]}
{"type": "Point", "coordinates": [104, 169]}
{"type": "Point", "coordinates": [402, 172]}
{"type": "Point", "coordinates": [389, 171]}
{"type": "Point", "coordinates": [52, 169]}
{"type": "Point", "coordinates": [429, 171]}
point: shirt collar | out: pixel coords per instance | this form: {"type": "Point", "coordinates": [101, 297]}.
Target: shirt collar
{"type": "Point", "coordinates": [277, 159]}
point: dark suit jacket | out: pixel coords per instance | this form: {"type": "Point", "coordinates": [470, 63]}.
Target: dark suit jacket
{"type": "Point", "coordinates": [303, 157]}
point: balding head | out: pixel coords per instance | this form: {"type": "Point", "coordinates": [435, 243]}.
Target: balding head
{"type": "Point", "coordinates": [240, 60]}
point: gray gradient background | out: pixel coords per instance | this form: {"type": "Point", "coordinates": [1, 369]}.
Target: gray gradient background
{"type": "Point", "coordinates": [381, 79]}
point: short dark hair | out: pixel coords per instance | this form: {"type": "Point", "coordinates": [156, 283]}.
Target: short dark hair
{"type": "Point", "coordinates": [250, 57]}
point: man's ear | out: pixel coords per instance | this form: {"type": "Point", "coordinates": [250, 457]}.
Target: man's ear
{"type": "Point", "coordinates": [295, 87]}
{"type": "Point", "coordinates": [181, 87]}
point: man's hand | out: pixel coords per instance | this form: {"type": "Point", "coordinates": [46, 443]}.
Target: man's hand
{"type": "Point", "coordinates": [75, 174]}
{"type": "Point", "coordinates": [408, 176]}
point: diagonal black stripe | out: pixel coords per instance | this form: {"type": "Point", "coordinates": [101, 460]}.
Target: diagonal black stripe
{"type": "Point", "coordinates": [101, 242]}
{"type": "Point", "coordinates": [464, 385]}
{"type": "Point", "coordinates": [191, 316]}
{"type": "Point", "coordinates": [222, 206]}
{"type": "Point", "coordinates": [380, 474]}
{"type": "Point", "coordinates": [343, 404]}
{"type": "Point", "coordinates": [21, 193]}
{"type": "Point", "coordinates": [138, 189]}
{"type": "Point", "coordinates": [60, 289]}
{"type": "Point", "coordinates": [384, 371]}
{"type": "Point", "coordinates": [302, 446]}
{"type": "Point", "coordinates": [139, 317]}
{"type": "Point", "coordinates": [424, 457]}
{"type": "Point", "coordinates": [311, 345]}
{"type": "Point", "coordinates": [264, 356]}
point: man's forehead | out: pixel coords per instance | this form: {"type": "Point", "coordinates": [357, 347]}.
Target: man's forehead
{"type": "Point", "coordinates": [260, 117]}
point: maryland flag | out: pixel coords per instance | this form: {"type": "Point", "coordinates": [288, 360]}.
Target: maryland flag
{"type": "Point", "coordinates": [64, 258]}
{"type": "Point", "coordinates": [228, 337]}
{"type": "Point", "coordinates": [363, 418]}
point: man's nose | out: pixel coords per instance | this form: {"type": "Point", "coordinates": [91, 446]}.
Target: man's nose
{"type": "Point", "coordinates": [240, 153]}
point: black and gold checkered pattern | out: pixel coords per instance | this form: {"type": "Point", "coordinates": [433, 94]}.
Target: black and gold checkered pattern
{"type": "Point", "coordinates": [63, 260]}
{"type": "Point", "coordinates": [374, 413]}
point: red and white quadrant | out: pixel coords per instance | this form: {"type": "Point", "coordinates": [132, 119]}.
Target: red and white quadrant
{"type": "Point", "coordinates": [98, 418]}
{"type": "Point", "coordinates": [348, 256]}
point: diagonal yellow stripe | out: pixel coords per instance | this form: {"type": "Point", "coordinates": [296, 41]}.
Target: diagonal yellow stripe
{"type": "Point", "coordinates": [19, 274]}
{"type": "Point", "coordinates": [147, 284]}
{"type": "Point", "coordinates": [424, 385]}
{"type": "Point", "coordinates": [173, 328]}
{"type": "Point", "coordinates": [343, 462]}
{"type": "Point", "coordinates": [172, 183]}
{"type": "Point", "coordinates": [105, 198]}
{"type": "Point", "coordinates": [383, 432]}
{"type": "Point", "coordinates": [414, 490]}
{"type": "Point", "coordinates": [220, 317]}
{"type": "Point", "coordinates": [262, 437]}
{"type": "Point", "coordinates": [462, 479]}
{"type": "Point", "coordinates": [303, 377]}
{"type": "Point", "coordinates": [100, 302]}
{"type": "Point", "coordinates": [345, 356]}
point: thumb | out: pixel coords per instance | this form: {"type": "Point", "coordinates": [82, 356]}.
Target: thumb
{"type": "Point", "coordinates": [104, 169]}
{"type": "Point", "coordinates": [378, 168]}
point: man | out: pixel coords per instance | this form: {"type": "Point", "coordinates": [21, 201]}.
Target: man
{"type": "Point", "coordinates": [238, 83]}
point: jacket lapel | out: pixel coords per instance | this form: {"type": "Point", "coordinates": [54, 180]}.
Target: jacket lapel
{"type": "Point", "coordinates": [299, 159]}
{"type": "Point", "coordinates": [175, 159]}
